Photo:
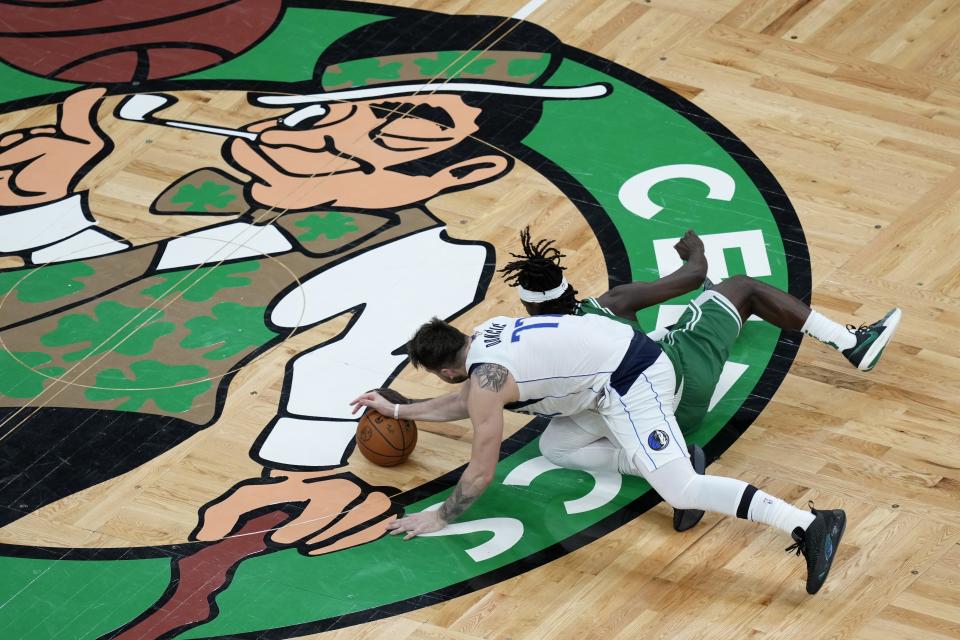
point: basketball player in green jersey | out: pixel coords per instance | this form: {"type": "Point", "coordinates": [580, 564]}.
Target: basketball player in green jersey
{"type": "Point", "coordinates": [544, 290]}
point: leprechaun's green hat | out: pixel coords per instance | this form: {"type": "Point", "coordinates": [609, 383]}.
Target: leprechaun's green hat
{"type": "Point", "coordinates": [423, 52]}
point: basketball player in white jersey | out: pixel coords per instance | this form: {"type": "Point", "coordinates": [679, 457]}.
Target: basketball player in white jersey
{"type": "Point", "coordinates": [538, 277]}
{"type": "Point", "coordinates": [609, 391]}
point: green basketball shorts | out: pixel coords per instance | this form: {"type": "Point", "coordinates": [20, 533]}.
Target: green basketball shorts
{"type": "Point", "coordinates": [698, 345]}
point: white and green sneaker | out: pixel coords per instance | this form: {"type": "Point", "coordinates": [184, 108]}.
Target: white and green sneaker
{"type": "Point", "coordinates": [871, 340]}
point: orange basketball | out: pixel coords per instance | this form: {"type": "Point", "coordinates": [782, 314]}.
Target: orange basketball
{"type": "Point", "coordinates": [384, 440]}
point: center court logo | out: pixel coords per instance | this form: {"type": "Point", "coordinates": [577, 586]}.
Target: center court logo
{"type": "Point", "coordinates": [396, 107]}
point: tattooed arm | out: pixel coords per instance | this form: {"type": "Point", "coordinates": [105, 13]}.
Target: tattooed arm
{"type": "Point", "coordinates": [491, 387]}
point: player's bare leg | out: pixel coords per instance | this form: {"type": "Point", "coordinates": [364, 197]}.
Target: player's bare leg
{"type": "Point", "coordinates": [862, 345]}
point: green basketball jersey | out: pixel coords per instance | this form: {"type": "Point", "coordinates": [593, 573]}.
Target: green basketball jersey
{"type": "Point", "coordinates": [590, 306]}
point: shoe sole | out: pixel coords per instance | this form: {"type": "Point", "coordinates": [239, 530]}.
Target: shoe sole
{"type": "Point", "coordinates": [836, 547]}
{"type": "Point", "coordinates": [873, 354]}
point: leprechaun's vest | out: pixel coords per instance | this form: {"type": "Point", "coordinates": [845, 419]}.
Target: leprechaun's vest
{"type": "Point", "coordinates": [127, 337]}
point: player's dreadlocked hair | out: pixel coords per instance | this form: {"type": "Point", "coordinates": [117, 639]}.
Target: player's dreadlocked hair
{"type": "Point", "coordinates": [538, 269]}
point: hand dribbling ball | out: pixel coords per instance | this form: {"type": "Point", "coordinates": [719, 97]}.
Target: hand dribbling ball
{"type": "Point", "coordinates": [384, 440]}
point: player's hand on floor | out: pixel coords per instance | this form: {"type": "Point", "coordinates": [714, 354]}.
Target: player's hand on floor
{"type": "Point", "coordinates": [417, 524]}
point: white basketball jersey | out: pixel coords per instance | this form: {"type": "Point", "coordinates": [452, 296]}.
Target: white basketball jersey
{"type": "Point", "coordinates": [560, 363]}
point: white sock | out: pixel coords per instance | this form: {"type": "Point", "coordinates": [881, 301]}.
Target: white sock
{"type": "Point", "coordinates": [777, 513]}
{"type": "Point", "coordinates": [828, 332]}
{"type": "Point", "coordinates": [677, 483]}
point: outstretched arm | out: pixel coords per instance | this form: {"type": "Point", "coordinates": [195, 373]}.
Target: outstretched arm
{"type": "Point", "coordinates": [627, 299]}
{"type": "Point", "coordinates": [485, 405]}
{"type": "Point", "coordinates": [452, 406]}
{"type": "Point", "coordinates": [490, 387]}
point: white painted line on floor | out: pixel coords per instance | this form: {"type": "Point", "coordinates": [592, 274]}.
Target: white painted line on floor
{"type": "Point", "coordinates": [528, 8]}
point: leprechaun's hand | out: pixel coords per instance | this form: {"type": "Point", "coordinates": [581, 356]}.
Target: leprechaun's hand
{"type": "Point", "coordinates": [336, 510]}
{"type": "Point", "coordinates": [43, 164]}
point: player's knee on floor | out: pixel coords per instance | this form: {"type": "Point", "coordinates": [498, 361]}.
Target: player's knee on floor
{"type": "Point", "coordinates": [553, 449]}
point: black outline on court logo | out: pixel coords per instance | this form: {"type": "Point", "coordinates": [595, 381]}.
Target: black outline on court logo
{"type": "Point", "coordinates": [799, 285]}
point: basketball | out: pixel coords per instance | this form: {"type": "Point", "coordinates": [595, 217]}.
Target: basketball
{"type": "Point", "coordinates": [384, 440]}
{"type": "Point", "coordinates": [122, 41]}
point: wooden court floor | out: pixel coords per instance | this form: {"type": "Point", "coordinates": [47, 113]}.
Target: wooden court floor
{"type": "Point", "coordinates": [854, 107]}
